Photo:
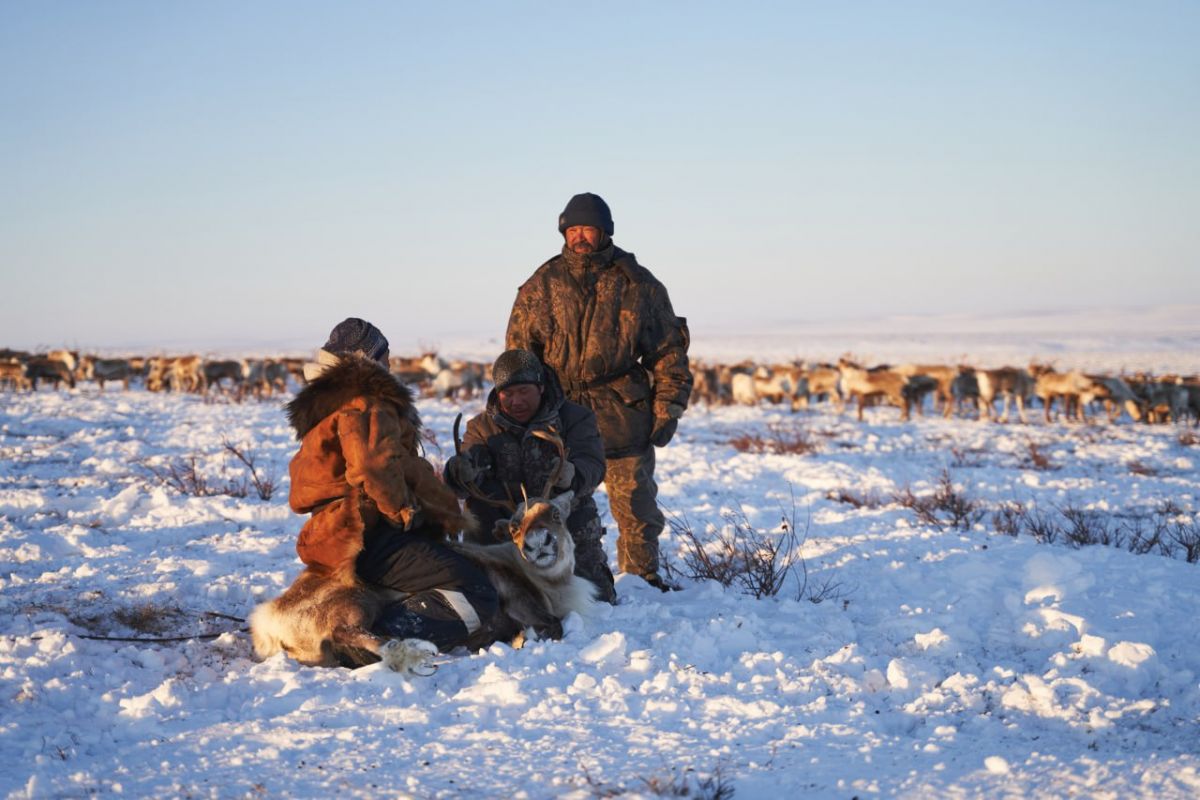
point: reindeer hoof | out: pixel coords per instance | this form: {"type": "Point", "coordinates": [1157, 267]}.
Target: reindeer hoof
{"type": "Point", "coordinates": [409, 656]}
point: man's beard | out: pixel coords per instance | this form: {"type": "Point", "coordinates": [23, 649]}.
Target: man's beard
{"type": "Point", "coordinates": [582, 247]}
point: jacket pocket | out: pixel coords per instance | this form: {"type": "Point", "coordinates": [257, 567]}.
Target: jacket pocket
{"type": "Point", "coordinates": [632, 389]}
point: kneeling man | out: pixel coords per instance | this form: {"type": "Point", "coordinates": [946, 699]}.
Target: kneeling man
{"type": "Point", "coordinates": [512, 444]}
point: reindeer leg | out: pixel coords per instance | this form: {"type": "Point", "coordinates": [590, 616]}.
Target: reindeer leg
{"type": "Point", "coordinates": [354, 645]}
{"type": "Point", "coordinates": [409, 656]}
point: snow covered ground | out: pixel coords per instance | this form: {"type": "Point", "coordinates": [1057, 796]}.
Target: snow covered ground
{"type": "Point", "coordinates": [940, 662]}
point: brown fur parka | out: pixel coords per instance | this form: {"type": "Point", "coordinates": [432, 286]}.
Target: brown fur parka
{"type": "Point", "coordinates": [359, 464]}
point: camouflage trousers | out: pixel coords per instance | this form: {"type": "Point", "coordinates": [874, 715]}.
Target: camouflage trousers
{"type": "Point", "coordinates": [591, 562]}
{"type": "Point", "coordinates": [633, 500]}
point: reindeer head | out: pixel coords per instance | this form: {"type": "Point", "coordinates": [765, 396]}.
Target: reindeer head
{"type": "Point", "coordinates": [539, 530]}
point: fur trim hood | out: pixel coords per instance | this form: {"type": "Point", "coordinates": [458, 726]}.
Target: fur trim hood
{"type": "Point", "coordinates": [353, 376]}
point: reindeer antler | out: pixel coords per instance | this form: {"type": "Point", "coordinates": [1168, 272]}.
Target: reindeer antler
{"type": "Point", "coordinates": [473, 490]}
{"type": "Point", "coordinates": [553, 438]}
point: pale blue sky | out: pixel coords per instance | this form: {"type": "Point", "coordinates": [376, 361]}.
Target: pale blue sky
{"type": "Point", "coordinates": [199, 173]}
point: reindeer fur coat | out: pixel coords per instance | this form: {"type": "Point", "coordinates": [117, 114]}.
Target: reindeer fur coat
{"type": "Point", "coordinates": [359, 465]}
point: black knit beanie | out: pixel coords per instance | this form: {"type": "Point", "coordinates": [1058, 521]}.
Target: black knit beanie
{"type": "Point", "coordinates": [354, 335]}
{"type": "Point", "coordinates": [517, 366]}
{"type": "Point", "coordinates": [586, 209]}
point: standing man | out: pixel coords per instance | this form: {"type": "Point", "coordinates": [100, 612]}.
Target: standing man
{"type": "Point", "coordinates": [605, 325]}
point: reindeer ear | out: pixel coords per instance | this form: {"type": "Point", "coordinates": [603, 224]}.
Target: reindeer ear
{"type": "Point", "coordinates": [562, 504]}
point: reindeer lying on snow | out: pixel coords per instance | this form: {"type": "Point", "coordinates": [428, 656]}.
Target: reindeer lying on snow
{"type": "Point", "coordinates": [324, 621]}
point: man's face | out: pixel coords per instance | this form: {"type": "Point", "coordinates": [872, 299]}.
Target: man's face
{"type": "Point", "coordinates": [520, 401]}
{"type": "Point", "coordinates": [583, 238]}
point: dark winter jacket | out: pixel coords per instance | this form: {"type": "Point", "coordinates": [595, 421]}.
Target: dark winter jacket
{"type": "Point", "coordinates": [606, 325]}
{"type": "Point", "coordinates": [514, 456]}
{"type": "Point", "coordinates": [358, 465]}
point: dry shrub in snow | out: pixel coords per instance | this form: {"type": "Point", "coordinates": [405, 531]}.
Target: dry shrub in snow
{"type": "Point", "coordinates": [735, 553]}
{"type": "Point", "coordinates": [945, 507]}
{"type": "Point", "coordinates": [970, 457]}
{"type": "Point", "coordinates": [1035, 458]}
{"type": "Point", "coordinates": [1138, 468]}
{"type": "Point", "coordinates": [1008, 518]}
{"type": "Point", "coordinates": [186, 476]}
{"type": "Point", "coordinates": [778, 439]}
{"type": "Point", "coordinates": [857, 499]}
{"type": "Point", "coordinates": [264, 484]}
{"type": "Point", "coordinates": [1168, 530]}
{"type": "Point", "coordinates": [674, 784]}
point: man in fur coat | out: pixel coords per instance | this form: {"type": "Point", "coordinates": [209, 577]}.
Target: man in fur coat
{"type": "Point", "coordinates": [605, 325]}
{"type": "Point", "coordinates": [378, 509]}
{"type": "Point", "coordinates": [510, 447]}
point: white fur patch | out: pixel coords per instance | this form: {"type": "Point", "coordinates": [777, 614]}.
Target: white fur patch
{"type": "Point", "coordinates": [409, 656]}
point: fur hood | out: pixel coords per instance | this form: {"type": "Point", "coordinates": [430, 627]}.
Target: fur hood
{"type": "Point", "coordinates": [353, 376]}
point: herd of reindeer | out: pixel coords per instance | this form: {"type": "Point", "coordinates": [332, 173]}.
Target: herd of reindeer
{"type": "Point", "coordinates": [954, 389]}
{"type": "Point", "coordinates": [960, 390]}
{"type": "Point", "coordinates": [236, 378]}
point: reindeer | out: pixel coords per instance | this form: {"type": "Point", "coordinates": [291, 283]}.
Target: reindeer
{"type": "Point", "coordinates": [328, 620]}
{"type": "Point", "coordinates": [213, 372]}
{"type": "Point", "coordinates": [295, 368]}
{"type": "Point", "coordinates": [1116, 395]}
{"type": "Point", "coordinates": [780, 382]}
{"type": "Point", "coordinates": [707, 386]}
{"type": "Point", "coordinates": [109, 369]}
{"type": "Point", "coordinates": [187, 374]}
{"type": "Point", "coordinates": [447, 379]}
{"type": "Point", "coordinates": [741, 389]}
{"type": "Point", "coordinates": [942, 377]}
{"type": "Point", "coordinates": [275, 375]}
{"type": "Point", "coordinates": [158, 371]}
{"type": "Point", "coordinates": [1165, 399]}
{"type": "Point", "coordinates": [823, 380]}
{"type": "Point", "coordinates": [1069, 386]}
{"type": "Point", "coordinates": [44, 368]}
{"type": "Point", "coordinates": [1009, 382]}
{"type": "Point", "coordinates": [878, 382]}
{"type": "Point", "coordinates": [1192, 387]}
{"type": "Point", "coordinates": [69, 359]}
{"type": "Point", "coordinates": [14, 375]}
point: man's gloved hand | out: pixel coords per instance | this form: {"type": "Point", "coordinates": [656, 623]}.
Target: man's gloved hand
{"type": "Point", "coordinates": [665, 425]}
{"type": "Point", "coordinates": [461, 470]}
{"type": "Point", "coordinates": [566, 476]}
{"type": "Point", "coordinates": [501, 531]}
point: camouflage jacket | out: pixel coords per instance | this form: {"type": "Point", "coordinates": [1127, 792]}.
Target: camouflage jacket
{"type": "Point", "coordinates": [514, 455]}
{"type": "Point", "coordinates": [606, 326]}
